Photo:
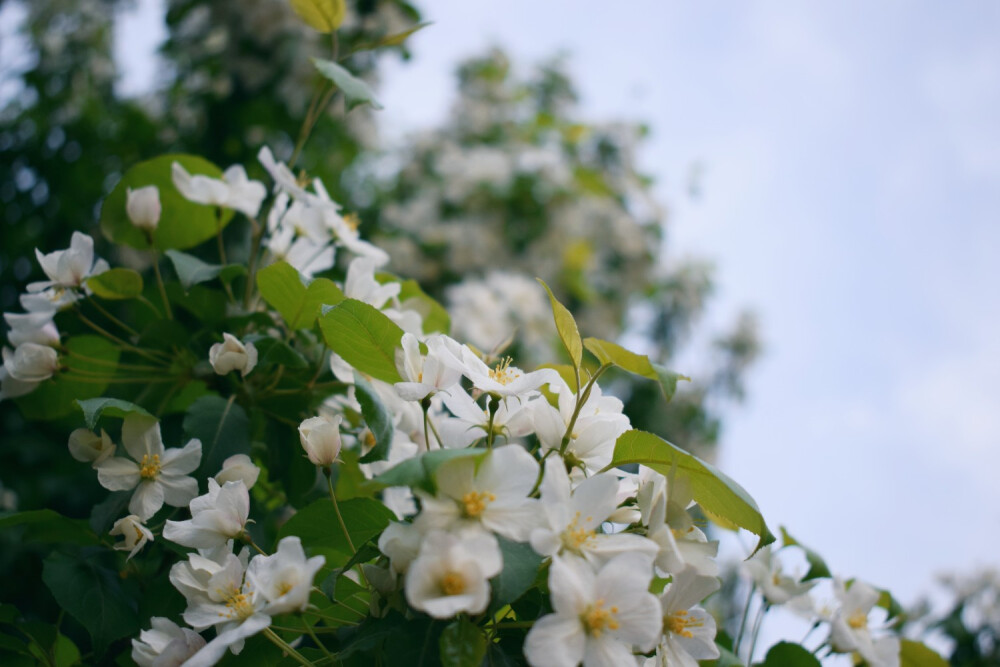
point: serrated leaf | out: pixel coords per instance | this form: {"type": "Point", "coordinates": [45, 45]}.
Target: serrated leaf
{"type": "Point", "coordinates": [317, 525]}
{"type": "Point", "coordinates": [817, 566]}
{"type": "Point", "coordinates": [462, 644]}
{"type": "Point", "coordinates": [364, 337]}
{"type": "Point", "coordinates": [116, 284]}
{"type": "Point", "coordinates": [183, 224]}
{"type": "Point", "coordinates": [299, 304]}
{"type": "Point", "coordinates": [569, 334]}
{"type": "Point", "coordinates": [93, 408]}
{"type": "Point", "coordinates": [917, 654]}
{"type": "Point", "coordinates": [323, 15]}
{"type": "Point", "coordinates": [191, 270]}
{"type": "Point", "coordinates": [355, 90]}
{"type": "Point", "coordinates": [378, 419]}
{"type": "Point", "coordinates": [638, 364]}
{"type": "Point", "coordinates": [712, 489]}
{"type": "Point", "coordinates": [223, 428]}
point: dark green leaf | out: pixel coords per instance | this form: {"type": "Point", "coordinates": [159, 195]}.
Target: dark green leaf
{"type": "Point", "coordinates": [569, 334]}
{"type": "Point", "coordinates": [377, 417]}
{"type": "Point", "coordinates": [520, 568]}
{"type": "Point", "coordinates": [355, 90]}
{"type": "Point", "coordinates": [87, 358]}
{"type": "Point", "coordinates": [273, 351]}
{"type": "Point", "coordinates": [786, 654]}
{"type": "Point", "coordinates": [917, 654]}
{"type": "Point", "coordinates": [318, 527]}
{"type": "Point", "coordinates": [299, 304]}
{"type": "Point", "coordinates": [183, 224]}
{"type": "Point", "coordinates": [638, 364]}
{"type": "Point", "coordinates": [817, 566]}
{"type": "Point", "coordinates": [364, 337]}
{"type": "Point", "coordinates": [713, 490]}
{"type": "Point", "coordinates": [93, 408]}
{"type": "Point", "coordinates": [109, 510]}
{"type": "Point", "coordinates": [48, 526]}
{"type": "Point", "coordinates": [116, 284]}
{"type": "Point", "coordinates": [92, 594]}
{"type": "Point", "coordinates": [191, 270]}
{"type": "Point", "coordinates": [223, 429]}
{"type": "Point", "coordinates": [462, 644]}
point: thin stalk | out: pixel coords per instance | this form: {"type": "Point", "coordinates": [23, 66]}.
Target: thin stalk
{"type": "Point", "coordinates": [743, 619]}
{"type": "Point", "coordinates": [581, 399]}
{"type": "Point", "coordinates": [494, 404]}
{"type": "Point", "coordinates": [258, 233]}
{"type": "Point", "coordinates": [113, 364]}
{"type": "Point", "coordinates": [285, 647]}
{"type": "Point", "coordinates": [127, 328]}
{"type": "Point", "coordinates": [159, 282]}
{"type": "Point", "coordinates": [336, 508]}
{"type": "Point", "coordinates": [425, 405]}
{"type": "Point", "coordinates": [315, 639]}
{"type": "Point", "coordinates": [756, 630]}
{"type": "Point", "coordinates": [115, 339]}
{"type": "Point", "coordinates": [97, 379]}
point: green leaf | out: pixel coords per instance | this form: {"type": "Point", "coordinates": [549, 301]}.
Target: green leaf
{"type": "Point", "coordinates": [92, 594]}
{"type": "Point", "coordinates": [419, 471]}
{"type": "Point", "coordinates": [93, 408]}
{"type": "Point", "coordinates": [713, 490]}
{"type": "Point", "coordinates": [116, 284]}
{"type": "Point", "coordinates": [355, 90]}
{"type": "Point", "coordinates": [436, 317]}
{"type": "Point", "coordinates": [92, 356]}
{"type": "Point", "coordinates": [890, 604]}
{"type": "Point", "coordinates": [377, 417]}
{"type": "Point", "coordinates": [191, 270]}
{"type": "Point", "coordinates": [183, 224]}
{"type": "Point", "coordinates": [786, 654]}
{"type": "Point", "coordinates": [817, 566]}
{"type": "Point", "coordinates": [223, 428]}
{"type": "Point", "coordinates": [364, 337]}
{"type": "Point", "coordinates": [273, 351]}
{"type": "Point", "coordinates": [396, 39]}
{"type": "Point", "coordinates": [323, 15]}
{"type": "Point", "coordinates": [566, 326]}
{"type": "Point", "coordinates": [299, 304]}
{"type": "Point", "coordinates": [462, 644]}
{"type": "Point", "coordinates": [917, 654]}
{"type": "Point", "coordinates": [318, 527]}
{"type": "Point", "coordinates": [520, 568]}
{"type": "Point", "coordinates": [48, 526]}
{"type": "Point", "coordinates": [638, 364]}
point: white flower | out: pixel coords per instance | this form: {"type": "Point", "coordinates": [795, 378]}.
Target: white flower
{"type": "Point", "coordinates": [320, 437]}
{"type": "Point", "coordinates": [671, 526]}
{"type": "Point", "coordinates": [88, 447]}
{"type": "Point", "coordinates": [849, 630]}
{"type": "Point", "coordinates": [598, 618]}
{"type": "Point", "coordinates": [471, 422]}
{"type": "Point", "coordinates": [451, 573]}
{"type": "Point", "coordinates": [31, 362]}
{"type": "Point", "coordinates": [234, 190]}
{"type": "Point", "coordinates": [360, 284]}
{"type": "Point", "coordinates": [158, 475]}
{"type": "Point", "coordinates": [423, 375]}
{"type": "Point", "coordinates": [285, 578]}
{"type": "Point", "coordinates": [572, 519]}
{"type": "Point", "coordinates": [688, 630]}
{"type": "Point", "coordinates": [777, 587]}
{"type": "Point", "coordinates": [283, 176]}
{"type": "Point", "coordinates": [166, 644]}
{"type": "Point", "coordinates": [232, 355]}
{"type": "Point", "coordinates": [69, 268]}
{"type": "Point", "coordinates": [503, 380]}
{"type": "Point", "coordinates": [11, 387]}
{"type": "Point", "coordinates": [492, 494]}
{"type": "Point", "coordinates": [401, 543]}
{"type": "Point", "coordinates": [34, 327]}
{"type": "Point", "coordinates": [143, 207]}
{"type": "Point", "coordinates": [216, 517]}
{"type": "Point", "coordinates": [134, 534]}
{"type": "Point", "coordinates": [238, 467]}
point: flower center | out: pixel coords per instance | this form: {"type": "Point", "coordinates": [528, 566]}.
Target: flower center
{"type": "Point", "coordinates": [474, 503]}
{"type": "Point", "coordinates": [597, 619]}
{"type": "Point", "coordinates": [352, 221]}
{"type": "Point", "coordinates": [576, 536]}
{"type": "Point", "coordinates": [240, 605]}
{"type": "Point", "coordinates": [679, 622]}
{"type": "Point", "coordinates": [453, 583]}
{"type": "Point", "coordinates": [503, 373]}
{"type": "Point", "coordinates": [858, 620]}
{"type": "Point", "coordinates": [285, 587]}
{"type": "Point", "coordinates": [150, 466]}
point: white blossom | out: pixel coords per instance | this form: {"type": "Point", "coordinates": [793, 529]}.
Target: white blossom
{"type": "Point", "coordinates": [143, 207]}
{"type": "Point", "coordinates": [134, 534]}
{"type": "Point", "coordinates": [33, 327]}
{"type": "Point", "coordinates": [67, 269]}
{"type": "Point", "coordinates": [451, 573]}
{"type": "Point", "coordinates": [232, 355]}
{"type": "Point", "coordinates": [165, 644]}
{"type": "Point", "coordinates": [88, 447]}
{"type": "Point", "coordinates": [423, 375]}
{"type": "Point", "coordinates": [31, 362]}
{"type": "Point", "coordinates": [320, 437]}
{"type": "Point", "coordinates": [688, 630]}
{"type": "Point", "coordinates": [284, 579]}
{"type": "Point", "coordinates": [216, 517]}
{"type": "Point", "coordinates": [850, 630]}
{"type": "Point", "coordinates": [238, 467]}
{"type": "Point", "coordinates": [234, 190]}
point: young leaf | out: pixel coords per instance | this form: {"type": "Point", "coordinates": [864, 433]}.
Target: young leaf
{"type": "Point", "coordinates": [379, 420]}
{"type": "Point", "coordinates": [364, 337]}
{"type": "Point", "coordinates": [115, 284]}
{"type": "Point", "coordinates": [713, 490]}
{"type": "Point", "coordinates": [566, 326]}
{"type": "Point", "coordinates": [462, 644]}
{"type": "Point", "coordinates": [323, 15]}
{"type": "Point", "coordinates": [299, 304]}
{"type": "Point", "coordinates": [355, 90]}
{"type": "Point", "coordinates": [817, 566]}
{"type": "Point", "coordinates": [93, 408]}
{"type": "Point", "coordinates": [638, 364]}
{"type": "Point", "coordinates": [191, 270]}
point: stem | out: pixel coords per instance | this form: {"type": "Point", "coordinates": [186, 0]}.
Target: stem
{"type": "Point", "coordinates": [159, 282]}
{"type": "Point", "coordinates": [110, 336]}
{"type": "Point", "coordinates": [425, 405]}
{"type": "Point", "coordinates": [258, 233]}
{"type": "Point", "coordinates": [283, 645]}
{"type": "Point", "coordinates": [114, 319]}
{"type": "Point", "coordinates": [743, 619]}
{"type": "Point", "coordinates": [756, 630]}
{"type": "Point", "coordinates": [112, 364]}
{"type": "Point", "coordinates": [218, 236]}
{"type": "Point", "coordinates": [249, 540]}
{"type": "Point", "coordinates": [581, 399]}
{"type": "Point", "coordinates": [336, 508]}
{"type": "Point", "coordinates": [494, 404]}
{"type": "Point", "coordinates": [315, 639]}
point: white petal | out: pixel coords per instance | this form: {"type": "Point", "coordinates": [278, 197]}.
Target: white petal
{"type": "Point", "coordinates": [182, 461]}
{"type": "Point", "coordinates": [147, 499]}
{"type": "Point", "coordinates": [118, 474]}
{"type": "Point", "coordinates": [555, 641]}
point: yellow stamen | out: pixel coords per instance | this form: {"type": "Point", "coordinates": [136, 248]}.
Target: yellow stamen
{"type": "Point", "coordinates": [240, 605]}
{"type": "Point", "coordinates": [369, 439]}
{"type": "Point", "coordinates": [453, 583]}
{"type": "Point", "coordinates": [503, 373]}
{"type": "Point", "coordinates": [679, 622]}
{"type": "Point", "coordinates": [285, 587]}
{"type": "Point", "coordinates": [597, 619]}
{"type": "Point", "coordinates": [858, 620]}
{"type": "Point", "coordinates": [352, 221]}
{"type": "Point", "coordinates": [474, 503]}
{"type": "Point", "coordinates": [575, 536]}
{"type": "Point", "coordinates": [150, 466]}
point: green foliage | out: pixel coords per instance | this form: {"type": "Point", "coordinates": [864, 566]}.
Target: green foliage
{"type": "Point", "coordinates": [436, 318]}
{"type": "Point", "coordinates": [89, 364]}
{"type": "Point", "coordinates": [569, 334]}
{"type": "Point", "coordinates": [223, 428]}
{"type": "Point", "coordinates": [462, 644]}
{"type": "Point", "coordinates": [191, 270]}
{"type": "Point", "coordinates": [48, 527]}
{"type": "Point", "coordinates": [94, 408]}
{"type": "Point", "coordinates": [520, 570]}
{"type": "Point", "coordinates": [116, 284]}
{"type": "Point", "coordinates": [918, 654]}
{"type": "Point", "coordinates": [318, 526]}
{"type": "Point", "coordinates": [355, 90]}
{"type": "Point", "coordinates": [637, 364]}
{"type": "Point", "coordinates": [183, 224]}
{"type": "Point", "coordinates": [418, 472]}
{"type": "Point", "coordinates": [299, 303]}
{"type": "Point", "coordinates": [817, 566]}
{"type": "Point", "coordinates": [364, 337]}
{"type": "Point", "coordinates": [378, 419]}
{"type": "Point", "coordinates": [323, 15]}
{"type": "Point", "coordinates": [785, 654]}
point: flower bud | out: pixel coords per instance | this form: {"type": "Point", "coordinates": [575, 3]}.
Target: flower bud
{"type": "Point", "coordinates": [238, 468]}
{"type": "Point", "coordinates": [31, 362]}
{"type": "Point", "coordinates": [88, 447]}
{"type": "Point", "coordinates": [134, 533]}
{"type": "Point", "coordinates": [231, 355]}
{"type": "Point", "coordinates": [143, 207]}
{"type": "Point", "coordinates": [320, 437]}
